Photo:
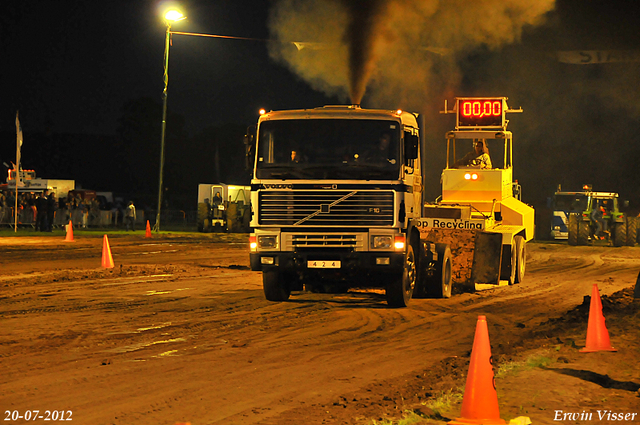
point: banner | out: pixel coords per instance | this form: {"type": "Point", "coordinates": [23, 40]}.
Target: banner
{"type": "Point", "coordinates": [590, 57]}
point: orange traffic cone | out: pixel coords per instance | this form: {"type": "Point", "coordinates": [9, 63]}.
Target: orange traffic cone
{"type": "Point", "coordinates": [107, 259]}
{"type": "Point", "coordinates": [148, 234]}
{"type": "Point", "coordinates": [597, 334]}
{"type": "Point", "coordinates": [480, 401]}
{"type": "Point", "coordinates": [69, 237]}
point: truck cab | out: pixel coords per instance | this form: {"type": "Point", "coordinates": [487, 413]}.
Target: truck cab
{"type": "Point", "coordinates": [333, 191]}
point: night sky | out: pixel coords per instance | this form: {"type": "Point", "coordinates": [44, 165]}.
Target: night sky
{"type": "Point", "coordinates": [87, 79]}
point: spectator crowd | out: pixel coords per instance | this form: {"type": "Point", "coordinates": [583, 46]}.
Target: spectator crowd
{"type": "Point", "coordinates": [44, 211]}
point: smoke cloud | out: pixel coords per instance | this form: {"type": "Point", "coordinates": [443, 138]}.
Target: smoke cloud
{"type": "Point", "coordinates": [413, 54]}
{"type": "Point", "coordinates": [349, 47]}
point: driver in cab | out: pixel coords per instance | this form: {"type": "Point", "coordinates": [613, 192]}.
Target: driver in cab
{"type": "Point", "coordinates": [477, 158]}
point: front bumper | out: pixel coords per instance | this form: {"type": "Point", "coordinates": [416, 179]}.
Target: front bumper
{"type": "Point", "coordinates": [350, 262]}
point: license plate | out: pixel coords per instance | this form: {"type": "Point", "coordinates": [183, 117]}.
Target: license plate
{"type": "Point", "coordinates": [323, 264]}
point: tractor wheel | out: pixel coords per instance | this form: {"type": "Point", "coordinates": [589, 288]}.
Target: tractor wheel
{"type": "Point", "coordinates": [632, 230]}
{"type": "Point", "coordinates": [400, 289]}
{"type": "Point", "coordinates": [573, 229]}
{"type": "Point", "coordinates": [521, 258]}
{"type": "Point", "coordinates": [620, 233]}
{"type": "Point", "coordinates": [583, 232]}
{"type": "Point", "coordinates": [275, 286]}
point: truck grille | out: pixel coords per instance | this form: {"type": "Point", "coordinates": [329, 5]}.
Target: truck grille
{"type": "Point", "coordinates": [326, 208]}
{"type": "Point", "coordinates": [324, 241]}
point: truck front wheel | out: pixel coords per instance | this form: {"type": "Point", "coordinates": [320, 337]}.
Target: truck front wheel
{"type": "Point", "coordinates": [275, 287]}
{"type": "Point", "coordinates": [400, 289]}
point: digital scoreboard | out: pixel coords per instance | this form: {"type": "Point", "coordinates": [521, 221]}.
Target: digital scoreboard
{"type": "Point", "coordinates": [485, 112]}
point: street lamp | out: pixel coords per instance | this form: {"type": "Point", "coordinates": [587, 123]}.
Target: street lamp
{"type": "Point", "coordinates": [170, 17]}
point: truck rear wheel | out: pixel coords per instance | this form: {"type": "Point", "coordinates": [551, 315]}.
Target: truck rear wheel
{"type": "Point", "coordinates": [275, 286]}
{"type": "Point", "coordinates": [572, 226]}
{"type": "Point", "coordinates": [583, 232]}
{"type": "Point", "coordinates": [400, 289]}
{"type": "Point", "coordinates": [423, 261]}
{"type": "Point", "coordinates": [439, 284]}
{"type": "Point", "coordinates": [632, 230]}
{"type": "Point", "coordinates": [521, 258]}
{"type": "Point", "coordinates": [620, 233]}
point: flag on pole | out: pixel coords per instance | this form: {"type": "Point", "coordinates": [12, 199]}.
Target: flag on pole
{"type": "Point", "coordinates": [18, 147]}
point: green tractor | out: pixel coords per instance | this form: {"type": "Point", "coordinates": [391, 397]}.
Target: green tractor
{"type": "Point", "coordinates": [615, 227]}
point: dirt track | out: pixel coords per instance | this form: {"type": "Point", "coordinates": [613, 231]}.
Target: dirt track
{"type": "Point", "coordinates": [179, 331]}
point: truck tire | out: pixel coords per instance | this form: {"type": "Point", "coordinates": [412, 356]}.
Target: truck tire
{"type": "Point", "coordinates": [620, 233]}
{"type": "Point", "coordinates": [400, 289]}
{"type": "Point", "coordinates": [424, 258]}
{"type": "Point", "coordinates": [632, 230]}
{"type": "Point", "coordinates": [275, 287]}
{"type": "Point", "coordinates": [572, 226]}
{"type": "Point", "coordinates": [439, 284]}
{"type": "Point", "coordinates": [584, 231]}
{"type": "Point", "coordinates": [521, 258]}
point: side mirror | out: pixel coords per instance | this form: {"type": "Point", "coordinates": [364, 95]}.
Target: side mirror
{"type": "Point", "coordinates": [410, 146]}
{"type": "Point", "coordinates": [250, 144]}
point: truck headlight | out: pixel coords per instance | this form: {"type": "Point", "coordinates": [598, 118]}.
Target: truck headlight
{"type": "Point", "coordinates": [267, 242]}
{"type": "Point", "coordinates": [380, 242]}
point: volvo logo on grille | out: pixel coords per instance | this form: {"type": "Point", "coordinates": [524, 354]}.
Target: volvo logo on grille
{"type": "Point", "coordinates": [324, 208]}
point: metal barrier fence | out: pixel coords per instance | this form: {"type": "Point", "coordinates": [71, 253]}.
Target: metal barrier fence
{"type": "Point", "coordinates": [99, 219]}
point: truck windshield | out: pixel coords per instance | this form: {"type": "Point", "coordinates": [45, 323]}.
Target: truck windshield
{"type": "Point", "coordinates": [329, 149]}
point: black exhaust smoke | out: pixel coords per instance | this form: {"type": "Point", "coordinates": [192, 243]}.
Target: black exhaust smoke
{"type": "Point", "coordinates": [360, 37]}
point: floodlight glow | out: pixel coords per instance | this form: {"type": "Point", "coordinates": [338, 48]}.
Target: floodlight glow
{"type": "Point", "coordinates": [173, 16]}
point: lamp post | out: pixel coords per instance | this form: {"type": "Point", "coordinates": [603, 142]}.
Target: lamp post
{"type": "Point", "coordinates": [170, 17]}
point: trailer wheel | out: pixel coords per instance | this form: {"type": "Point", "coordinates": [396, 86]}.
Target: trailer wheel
{"type": "Point", "coordinates": [521, 258]}
{"type": "Point", "coordinates": [632, 230]}
{"type": "Point", "coordinates": [583, 232]}
{"type": "Point", "coordinates": [572, 226]}
{"type": "Point", "coordinates": [508, 270]}
{"type": "Point", "coordinates": [275, 286]}
{"type": "Point", "coordinates": [620, 233]}
{"type": "Point", "coordinates": [400, 289]}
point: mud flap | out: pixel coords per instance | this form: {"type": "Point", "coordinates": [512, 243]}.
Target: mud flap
{"type": "Point", "coordinates": [486, 258]}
